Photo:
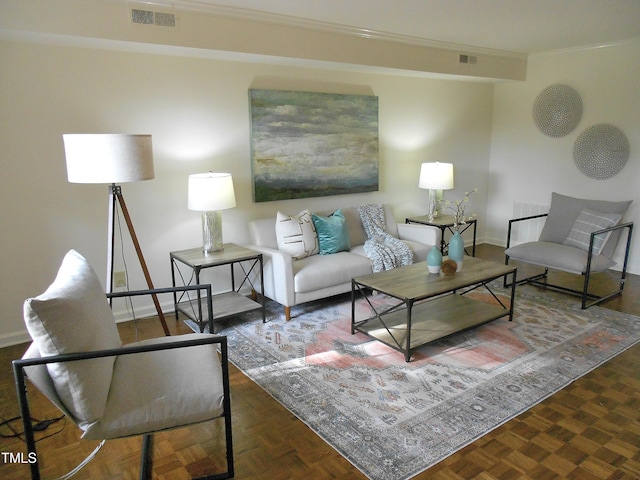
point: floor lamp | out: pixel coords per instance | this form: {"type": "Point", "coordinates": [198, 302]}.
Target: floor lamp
{"type": "Point", "coordinates": [113, 159]}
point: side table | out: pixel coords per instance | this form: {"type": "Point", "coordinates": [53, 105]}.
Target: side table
{"type": "Point", "coordinates": [445, 223]}
{"type": "Point", "coordinates": [225, 304]}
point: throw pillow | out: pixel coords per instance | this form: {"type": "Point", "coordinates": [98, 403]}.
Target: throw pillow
{"type": "Point", "coordinates": [71, 316]}
{"type": "Point", "coordinates": [296, 234]}
{"type": "Point", "coordinates": [590, 221]}
{"type": "Point", "coordinates": [333, 236]}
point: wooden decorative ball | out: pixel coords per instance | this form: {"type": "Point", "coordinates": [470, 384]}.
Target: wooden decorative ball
{"type": "Point", "coordinates": [449, 267]}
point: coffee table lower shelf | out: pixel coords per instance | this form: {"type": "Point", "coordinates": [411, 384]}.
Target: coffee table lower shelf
{"type": "Point", "coordinates": [430, 320]}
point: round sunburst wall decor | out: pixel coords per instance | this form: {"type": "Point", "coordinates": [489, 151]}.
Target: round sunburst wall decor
{"type": "Point", "coordinates": [557, 110]}
{"type": "Point", "coordinates": [601, 151]}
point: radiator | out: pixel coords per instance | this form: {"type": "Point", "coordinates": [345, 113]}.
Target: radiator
{"type": "Point", "coordinates": [529, 230]}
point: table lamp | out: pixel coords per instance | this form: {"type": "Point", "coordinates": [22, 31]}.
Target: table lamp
{"type": "Point", "coordinates": [113, 159]}
{"type": "Point", "coordinates": [209, 193]}
{"type": "Point", "coordinates": [436, 177]}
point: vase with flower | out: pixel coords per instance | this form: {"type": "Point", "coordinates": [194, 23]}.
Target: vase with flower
{"type": "Point", "coordinates": [456, 242]}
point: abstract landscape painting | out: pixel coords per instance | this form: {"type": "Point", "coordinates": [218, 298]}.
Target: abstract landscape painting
{"type": "Point", "coordinates": [308, 144]}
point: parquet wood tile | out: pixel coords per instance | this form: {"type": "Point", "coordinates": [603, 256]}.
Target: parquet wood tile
{"type": "Point", "coordinates": [588, 431]}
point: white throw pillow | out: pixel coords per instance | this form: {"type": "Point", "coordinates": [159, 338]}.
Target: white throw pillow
{"type": "Point", "coordinates": [296, 234]}
{"type": "Point", "coordinates": [71, 316]}
{"type": "Point", "coordinates": [590, 221]}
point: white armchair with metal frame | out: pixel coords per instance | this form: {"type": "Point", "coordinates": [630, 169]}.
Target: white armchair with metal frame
{"type": "Point", "coordinates": [580, 236]}
{"type": "Point", "coordinates": [108, 390]}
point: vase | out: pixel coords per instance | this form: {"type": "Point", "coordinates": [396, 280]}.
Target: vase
{"type": "Point", "coordinates": [456, 249]}
{"type": "Point", "coordinates": [434, 260]}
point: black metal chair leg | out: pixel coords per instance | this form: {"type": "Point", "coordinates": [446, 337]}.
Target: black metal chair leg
{"type": "Point", "coordinates": [146, 462]}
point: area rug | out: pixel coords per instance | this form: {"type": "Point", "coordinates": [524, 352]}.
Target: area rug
{"type": "Point", "coordinates": [392, 419]}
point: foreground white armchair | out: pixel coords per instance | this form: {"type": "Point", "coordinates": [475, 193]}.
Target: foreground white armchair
{"type": "Point", "coordinates": [109, 390]}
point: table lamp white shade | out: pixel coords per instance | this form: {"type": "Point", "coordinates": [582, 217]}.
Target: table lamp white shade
{"type": "Point", "coordinates": [209, 193]}
{"type": "Point", "coordinates": [436, 177]}
{"type": "Point", "coordinates": [108, 158]}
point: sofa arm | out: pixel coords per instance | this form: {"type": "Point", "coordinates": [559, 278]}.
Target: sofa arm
{"type": "Point", "coordinates": [414, 232]}
{"type": "Point", "coordinates": [278, 274]}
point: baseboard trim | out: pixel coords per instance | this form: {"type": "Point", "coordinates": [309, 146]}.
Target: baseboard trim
{"type": "Point", "coordinates": [14, 338]}
{"type": "Point", "coordinates": [22, 336]}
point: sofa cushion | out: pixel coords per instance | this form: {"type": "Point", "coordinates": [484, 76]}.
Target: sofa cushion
{"type": "Point", "coordinates": [321, 271]}
{"type": "Point", "coordinates": [557, 256]}
{"type": "Point", "coordinates": [73, 316]}
{"type": "Point", "coordinates": [420, 250]}
{"type": "Point", "coordinates": [296, 234]}
{"type": "Point", "coordinates": [333, 236]}
{"type": "Point", "coordinates": [590, 221]}
{"type": "Point", "coordinates": [564, 210]}
{"type": "Point", "coordinates": [357, 235]}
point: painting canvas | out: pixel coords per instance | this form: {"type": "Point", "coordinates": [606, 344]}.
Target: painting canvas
{"type": "Point", "coordinates": [308, 144]}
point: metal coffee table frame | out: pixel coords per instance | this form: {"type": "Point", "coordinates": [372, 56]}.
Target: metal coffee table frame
{"type": "Point", "coordinates": [429, 306]}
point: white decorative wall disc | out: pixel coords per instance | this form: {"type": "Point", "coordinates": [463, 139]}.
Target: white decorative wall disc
{"type": "Point", "coordinates": [601, 151]}
{"type": "Point", "coordinates": [557, 110]}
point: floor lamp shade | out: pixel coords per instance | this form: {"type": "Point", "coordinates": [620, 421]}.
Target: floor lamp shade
{"type": "Point", "coordinates": [209, 193]}
{"type": "Point", "coordinates": [113, 159]}
{"type": "Point", "coordinates": [108, 158]}
{"type": "Point", "coordinates": [436, 177]}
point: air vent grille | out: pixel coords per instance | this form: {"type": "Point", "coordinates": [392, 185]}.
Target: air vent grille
{"type": "Point", "coordinates": [471, 59]}
{"type": "Point", "coordinates": [147, 17]}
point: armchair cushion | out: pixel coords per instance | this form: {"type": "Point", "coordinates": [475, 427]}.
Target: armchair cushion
{"type": "Point", "coordinates": [590, 221]}
{"type": "Point", "coordinates": [558, 256]}
{"type": "Point", "coordinates": [162, 389]}
{"type": "Point", "coordinates": [73, 316]}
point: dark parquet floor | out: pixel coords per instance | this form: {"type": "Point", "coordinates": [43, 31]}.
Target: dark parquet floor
{"type": "Point", "coordinates": [589, 430]}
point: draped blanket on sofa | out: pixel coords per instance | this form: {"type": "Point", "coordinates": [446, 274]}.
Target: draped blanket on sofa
{"type": "Point", "coordinates": [383, 249]}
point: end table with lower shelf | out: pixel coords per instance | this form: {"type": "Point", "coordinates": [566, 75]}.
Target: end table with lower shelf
{"type": "Point", "coordinates": [446, 223]}
{"type": "Point", "coordinates": [226, 304]}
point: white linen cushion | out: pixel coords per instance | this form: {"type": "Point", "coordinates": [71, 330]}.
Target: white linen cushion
{"type": "Point", "coordinates": [554, 255]}
{"type": "Point", "coordinates": [73, 316]}
{"type": "Point", "coordinates": [163, 389]}
{"type": "Point", "coordinates": [590, 221]}
{"type": "Point", "coordinates": [322, 271]}
{"type": "Point", "coordinates": [296, 234]}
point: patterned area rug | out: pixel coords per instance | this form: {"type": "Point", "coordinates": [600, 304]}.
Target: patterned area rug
{"type": "Point", "coordinates": [393, 419]}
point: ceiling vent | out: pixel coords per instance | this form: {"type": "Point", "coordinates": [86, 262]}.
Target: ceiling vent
{"type": "Point", "coordinates": [470, 59]}
{"type": "Point", "coordinates": [147, 17]}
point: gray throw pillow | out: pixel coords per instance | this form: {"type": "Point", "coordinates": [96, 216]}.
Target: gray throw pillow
{"type": "Point", "coordinates": [590, 221]}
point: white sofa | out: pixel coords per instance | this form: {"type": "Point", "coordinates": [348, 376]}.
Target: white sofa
{"type": "Point", "coordinates": [291, 281]}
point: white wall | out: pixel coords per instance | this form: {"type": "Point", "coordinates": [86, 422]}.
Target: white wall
{"type": "Point", "coordinates": [197, 111]}
{"type": "Point", "coordinates": [527, 165]}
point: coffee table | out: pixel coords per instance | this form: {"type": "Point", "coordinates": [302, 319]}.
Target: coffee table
{"type": "Point", "coordinates": [429, 306]}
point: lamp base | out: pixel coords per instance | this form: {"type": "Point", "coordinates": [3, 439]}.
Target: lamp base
{"type": "Point", "coordinates": [435, 197]}
{"type": "Point", "coordinates": [212, 232]}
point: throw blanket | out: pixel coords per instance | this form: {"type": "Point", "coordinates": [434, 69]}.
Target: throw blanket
{"type": "Point", "coordinates": [383, 249]}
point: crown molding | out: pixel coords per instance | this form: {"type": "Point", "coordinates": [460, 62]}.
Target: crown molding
{"type": "Point", "coordinates": [277, 19]}
{"type": "Point", "coordinates": [586, 48]}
